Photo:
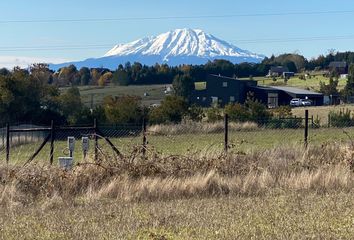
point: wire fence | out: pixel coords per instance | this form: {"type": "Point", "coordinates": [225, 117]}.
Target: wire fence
{"type": "Point", "coordinates": [23, 144]}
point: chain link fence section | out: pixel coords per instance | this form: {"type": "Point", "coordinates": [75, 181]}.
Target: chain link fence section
{"type": "Point", "coordinates": [126, 138]}
{"type": "Point", "coordinates": [185, 138]}
{"type": "Point", "coordinates": [24, 142]}
{"type": "Point", "coordinates": [45, 144]}
{"type": "Point", "coordinates": [241, 137]}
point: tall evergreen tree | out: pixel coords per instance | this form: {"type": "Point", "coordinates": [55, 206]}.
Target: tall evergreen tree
{"type": "Point", "coordinates": [183, 86]}
{"type": "Point", "coordinates": [349, 87]}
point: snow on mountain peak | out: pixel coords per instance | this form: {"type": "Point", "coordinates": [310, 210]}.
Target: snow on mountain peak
{"type": "Point", "coordinates": [180, 46]}
{"type": "Point", "coordinates": [181, 43]}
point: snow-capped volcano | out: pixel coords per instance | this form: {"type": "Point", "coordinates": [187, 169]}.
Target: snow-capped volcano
{"type": "Point", "coordinates": [181, 42]}
{"type": "Point", "coordinates": [180, 46]}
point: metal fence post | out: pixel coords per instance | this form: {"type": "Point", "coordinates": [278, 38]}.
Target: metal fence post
{"type": "Point", "coordinates": [7, 143]}
{"type": "Point", "coordinates": [3, 137]}
{"type": "Point", "coordinates": [144, 137]}
{"type": "Point", "coordinates": [96, 139]}
{"type": "Point", "coordinates": [306, 127]}
{"type": "Point", "coordinates": [52, 137]}
{"type": "Point", "coordinates": [226, 132]}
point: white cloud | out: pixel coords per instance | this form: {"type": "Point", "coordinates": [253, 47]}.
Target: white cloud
{"type": "Point", "coordinates": [23, 62]}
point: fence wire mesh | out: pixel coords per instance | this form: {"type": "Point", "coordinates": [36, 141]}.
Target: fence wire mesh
{"type": "Point", "coordinates": [186, 138]}
{"type": "Point", "coordinates": [24, 144]}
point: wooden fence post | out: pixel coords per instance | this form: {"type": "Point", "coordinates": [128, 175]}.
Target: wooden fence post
{"type": "Point", "coordinates": [52, 138]}
{"type": "Point", "coordinates": [226, 132]}
{"type": "Point", "coordinates": [144, 137]}
{"type": "Point", "coordinates": [306, 127]}
{"type": "Point", "coordinates": [7, 143]}
{"type": "Point", "coordinates": [96, 138]}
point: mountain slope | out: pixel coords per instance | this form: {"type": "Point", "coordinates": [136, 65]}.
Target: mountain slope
{"type": "Point", "coordinates": [181, 46]}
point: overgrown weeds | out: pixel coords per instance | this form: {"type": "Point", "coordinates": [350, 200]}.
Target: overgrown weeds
{"type": "Point", "coordinates": [319, 169]}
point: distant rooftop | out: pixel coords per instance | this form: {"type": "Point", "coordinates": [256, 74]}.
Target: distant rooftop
{"type": "Point", "coordinates": [295, 90]}
{"type": "Point", "coordinates": [264, 88]}
{"type": "Point", "coordinates": [338, 64]}
{"type": "Point", "coordinates": [279, 69]}
{"type": "Point", "coordinates": [230, 78]}
{"type": "Point", "coordinates": [221, 76]}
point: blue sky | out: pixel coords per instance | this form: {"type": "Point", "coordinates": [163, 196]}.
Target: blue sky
{"type": "Point", "coordinates": [328, 27]}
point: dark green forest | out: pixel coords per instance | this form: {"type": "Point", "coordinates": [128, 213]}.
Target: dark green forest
{"type": "Point", "coordinates": [136, 73]}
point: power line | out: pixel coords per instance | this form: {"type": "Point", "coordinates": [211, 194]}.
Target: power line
{"type": "Point", "coordinates": [295, 39]}
{"type": "Point", "coordinates": [55, 48]}
{"type": "Point", "coordinates": [78, 20]}
{"type": "Point", "coordinates": [237, 41]}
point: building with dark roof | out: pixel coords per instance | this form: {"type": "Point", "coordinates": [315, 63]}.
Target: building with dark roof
{"type": "Point", "coordinates": [222, 90]}
{"type": "Point", "coordinates": [339, 67]}
{"type": "Point", "coordinates": [277, 71]}
{"type": "Point", "coordinates": [288, 93]}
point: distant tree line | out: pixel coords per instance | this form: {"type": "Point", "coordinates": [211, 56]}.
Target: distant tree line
{"type": "Point", "coordinates": [136, 73]}
{"type": "Point", "coordinates": [34, 95]}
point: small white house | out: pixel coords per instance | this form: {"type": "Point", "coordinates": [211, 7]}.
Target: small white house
{"type": "Point", "coordinates": [343, 76]}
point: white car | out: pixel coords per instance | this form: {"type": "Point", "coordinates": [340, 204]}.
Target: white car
{"type": "Point", "coordinates": [306, 102]}
{"type": "Point", "coordinates": [295, 102]}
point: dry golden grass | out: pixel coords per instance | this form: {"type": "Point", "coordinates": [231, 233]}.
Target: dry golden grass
{"type": "Point", "coordinates": [275, 216]}
{"type": "Point", "coordinates": [199, 128]}
{"type": "Point", "coordinates": [320, 168]}
{"type": "Point", "coordinates": [287, 192]}
{"type": "Point", "coordinates": [321, 112]}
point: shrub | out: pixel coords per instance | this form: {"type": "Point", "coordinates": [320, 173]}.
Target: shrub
{"type": "Point", "coordinates": [122, 110]}
{"type": "Point", "coordinates": [252, 110]}
{"type": "Point", "coordinates": [258, 111]}
{"type": "Point", "coordinates": [195, 113]}
{"type": "Point", "coordinates": [213, 115]}
{"type": "Point", "coordinates": [343, 118]}
{"type": "Point", "coordinates": [172, 110]}
{"type": "Point", "coordinates": [282, 112]}
{"type": "Point", "coordinates": [237, 112]}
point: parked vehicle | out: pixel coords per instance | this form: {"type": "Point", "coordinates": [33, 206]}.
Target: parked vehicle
{"type": "Point", "coordinates": [295, 102]}
{"type": "Point", "coordinates": [306, 102]}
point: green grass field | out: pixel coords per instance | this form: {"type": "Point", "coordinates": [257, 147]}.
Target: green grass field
{"type": "Point", "coordinates": [312, 84]}
{"type": "Point", "coordinates": [95, 93]}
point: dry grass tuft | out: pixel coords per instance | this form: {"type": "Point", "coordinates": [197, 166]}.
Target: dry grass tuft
{"type": "Point", "coordinates": [320, 169]}
{"type": "Point", "coordinates": [199, 127]}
